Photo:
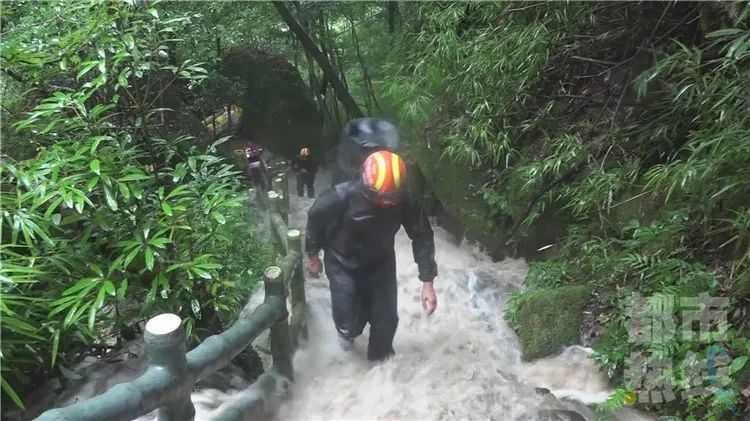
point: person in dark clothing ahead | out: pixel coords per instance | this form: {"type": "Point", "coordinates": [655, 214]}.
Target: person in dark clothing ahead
{"type": "Point", "coordinates": [254, 154]}
{"type": "Point", "coordinates": [355, 224]}
{"type": "Point", "coordinates": [306, 168]}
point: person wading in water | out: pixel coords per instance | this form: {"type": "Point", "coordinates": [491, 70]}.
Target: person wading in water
{"type": "Point", "coordinates": [305, 168]}
{"type": "Point", "coordinates": [355, 224]}
{"type": "Point", "coordinates": [254, 153]}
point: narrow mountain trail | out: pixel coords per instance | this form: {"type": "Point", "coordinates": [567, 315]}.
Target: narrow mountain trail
{"type": "Point", "coordinates": [463, 362]}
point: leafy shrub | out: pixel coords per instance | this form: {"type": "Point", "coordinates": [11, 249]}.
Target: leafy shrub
{"type": "Point", "coordinates": [115, 218]}
{"type": "Point", "coordinates": [569, 112]}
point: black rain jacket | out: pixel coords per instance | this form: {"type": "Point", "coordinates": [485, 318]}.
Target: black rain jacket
{"type": "Point", "coordinates": [307, 164]}
{"type": "Point", "coordinates": [344, 223]}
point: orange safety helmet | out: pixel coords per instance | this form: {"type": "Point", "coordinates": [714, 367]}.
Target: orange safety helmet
{"type": "Point", "coordinates": [383, 175]}
{"type": "Point", "coordinates": [304, 152]}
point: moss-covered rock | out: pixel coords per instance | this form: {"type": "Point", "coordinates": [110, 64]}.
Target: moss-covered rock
{"type": "Point", "coordinates": [550, 319]}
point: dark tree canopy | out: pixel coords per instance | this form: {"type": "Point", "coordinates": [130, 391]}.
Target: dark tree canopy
{"type": "Point", "coordinates": [278, 109]}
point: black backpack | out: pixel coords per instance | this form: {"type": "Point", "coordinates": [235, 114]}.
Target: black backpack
{"type": "Point", "coordinates": [359, 139]}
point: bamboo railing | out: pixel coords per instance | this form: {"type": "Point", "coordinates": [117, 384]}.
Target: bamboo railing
{"type": "Point", "coordinates": [168, 381]}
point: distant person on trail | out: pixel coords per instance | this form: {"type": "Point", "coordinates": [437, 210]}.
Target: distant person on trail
{"type": "Point", "coordinates": [305, 168]}
{"type": "Point", "coordinates": [254, 153]}
{"type": "Point", "coordinates": [355, 224]}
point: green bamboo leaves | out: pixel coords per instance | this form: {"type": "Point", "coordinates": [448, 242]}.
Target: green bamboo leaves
{"type": "Point", "coordinates": [106, 222]}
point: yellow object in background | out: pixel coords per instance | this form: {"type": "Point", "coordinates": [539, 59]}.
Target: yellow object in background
{"type": "Point", "coordinates": [631, 398]}
{"type": "Point", "coordinates": [239, 158]}
{"type": "Point", "coordinates": [221, 119]}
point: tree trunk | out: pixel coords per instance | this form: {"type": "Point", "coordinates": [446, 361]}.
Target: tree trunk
{"type": "Point", "coordinates": [322, 41]}
{"type": "Point", "coordinates": [367, 82]}
{"type": "Point", "coordinates": [336, 112]}
{"type": "Point", "coordinates": [340, 62]}
{"type": "Point", "coordinates": [331, 50]}
{"type": "Point", "coordinates": [295, 48]}
{"type": "Point", "coordinates": [338, 86]}
{"type": "Point", "coordinates": [392, 16]}
{"type": "Point", "coordinates": [331, 126]}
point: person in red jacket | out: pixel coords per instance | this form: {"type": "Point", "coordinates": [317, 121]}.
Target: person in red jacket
{"type": "Point", "coordinates": [355, 224]}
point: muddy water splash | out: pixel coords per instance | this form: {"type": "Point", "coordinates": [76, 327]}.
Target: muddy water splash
{"type": "Point", "coordinates": [463, 362]}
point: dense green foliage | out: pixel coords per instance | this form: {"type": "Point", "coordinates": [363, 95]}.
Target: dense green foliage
{"type": "Point", "coordinates": [612, 138]}
{"type": "Point", "coordinates": [626, 123]}
{"type": "Point", "coordinates": [111, 212]}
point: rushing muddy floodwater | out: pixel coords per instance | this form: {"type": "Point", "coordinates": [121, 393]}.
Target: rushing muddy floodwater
{"type": "Point", "coordinates": [463, 362]}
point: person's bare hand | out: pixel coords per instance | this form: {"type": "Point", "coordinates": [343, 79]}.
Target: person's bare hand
{"type": "Point", "coordinates": [314, 266]}
{"type": "Point", "coordinates": [429, 300]}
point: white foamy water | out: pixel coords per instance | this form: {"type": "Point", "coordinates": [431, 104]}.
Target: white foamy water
{"type": "Point", "coordinates": [463, 362]}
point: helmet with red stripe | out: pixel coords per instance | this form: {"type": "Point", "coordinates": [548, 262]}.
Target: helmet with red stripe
{"type": "Point", "coordinates": [383, 175]}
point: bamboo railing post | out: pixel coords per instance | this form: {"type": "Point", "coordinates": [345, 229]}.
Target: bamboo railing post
{"type": "Point", "coordinates": [165, 347]}
{"type": "Point", "coordinates": [266, 209]}
{"type": "Point", "coordinates": [168, 382]}
{"type": "Point", "coordinates": [281, 347]}
{"type": "Point", "coordinates": [253, 197]}
{"type": "Point", "coordinates": [298, 324]}
{"type": "Point", "coordinates": [273, 207]}
{"type": "Point", "coordinates": [273, 202]}
{"type": "Point", "coordinates": [278, 187]}
{"type": "Point", "coordinates": [284, 188]}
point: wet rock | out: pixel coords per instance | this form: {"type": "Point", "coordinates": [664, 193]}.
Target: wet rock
{"type": "Point", "coordinates": [452, 225]}
{"type": "Point", "coordinates": [229, 377]}
{"type": "Point", "coordinates": [550, 319]}
{"type": "Point", "coordinates": [542, 391]}
{"type": "Point", "coordinates": [561, 415]}
{"type": "Point", "coordinates": [449, 186]}
{"type": "Point", "coordinates": [595, 319]}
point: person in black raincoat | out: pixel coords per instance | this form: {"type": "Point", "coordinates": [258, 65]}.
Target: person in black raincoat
{"type": "Point", "coordinates": [305, 168]}
{"type": "Point", "coordinates": [355, 224]}
{"type": "Point", "coordinates": [254, 155]}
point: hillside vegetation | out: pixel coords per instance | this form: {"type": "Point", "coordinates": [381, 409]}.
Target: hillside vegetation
{"type": "Point", "coordinates": [606, 143]}
{"type": "Point", "coordinates": [616, 138]}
